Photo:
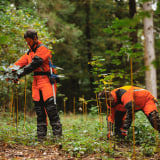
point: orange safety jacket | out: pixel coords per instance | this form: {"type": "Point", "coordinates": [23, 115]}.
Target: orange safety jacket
{"type": "Point", "coordinates": [123, 96]}
{"type": "Point", "coordinates": [40, 82]}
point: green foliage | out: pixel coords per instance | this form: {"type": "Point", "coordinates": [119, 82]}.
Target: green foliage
{"type": "Point", "coordinates": [147, 150]}
{"type": "Point", "coordinates": [143, 132]}
{"type": "Point", "coordinates": [93, 110]}
{"type": "Point", "coordinates": [123, 50]}
{"type": "Point", "coordinates": [8, 74]}
{"type": "Point", "coordinates": [13, 24]}
{"type": "Point", "coordinates": [13, 133]}
{"type": "Point", "coordinates": [81, 135]}
{"type": "Point", "coordinates": [66, 20]}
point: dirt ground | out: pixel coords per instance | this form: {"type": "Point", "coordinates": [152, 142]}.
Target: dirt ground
{"type": "Point", "coordinates": [53, 152]}
{"type": "Point", "coordinates": [10, 152]}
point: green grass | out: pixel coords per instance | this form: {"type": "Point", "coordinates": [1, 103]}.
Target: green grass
{"type": "Point", "coordinates": [82, 135]}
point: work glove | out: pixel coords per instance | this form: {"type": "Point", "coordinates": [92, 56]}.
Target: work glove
{"type": "Point", "coordinates": [16, 81]}
{"type": "Point", "coordinates": [13, 80]}
{"type": "Point", "coordinates": [20, 74]}
{"type": "Point", "coordinates": [7, 79]}
{"type": "Point", "coordinates": [124, 132]}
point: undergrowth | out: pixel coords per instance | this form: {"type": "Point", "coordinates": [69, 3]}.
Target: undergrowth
{"type": "Point", "coordinates": [82, 135]}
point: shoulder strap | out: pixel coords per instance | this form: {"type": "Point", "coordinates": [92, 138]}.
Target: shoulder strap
{"type": "Point", "coordinates": [37, 48]}
{"type": "Point", "coordinates": [40, 46]}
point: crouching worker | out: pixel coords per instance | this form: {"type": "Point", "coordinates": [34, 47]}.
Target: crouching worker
{"type": "Point", "coordinates": [121, 101]}
{"type": "Point", "coordinates": [37, 60]}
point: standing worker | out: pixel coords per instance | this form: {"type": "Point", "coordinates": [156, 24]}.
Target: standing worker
{"type": "Point", "coordinates": [122, 100]}
{"type": "Point", "coordinates": [37, 60]}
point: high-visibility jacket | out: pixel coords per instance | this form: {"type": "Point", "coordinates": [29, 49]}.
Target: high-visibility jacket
{"type": "Point", "coordinates": [126, 96]}
{"type": "Point", "coordinates": [40, 82]}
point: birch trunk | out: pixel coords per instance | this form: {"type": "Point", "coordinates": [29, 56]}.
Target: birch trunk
{"type": "Point", "coordinates": [150, 74]}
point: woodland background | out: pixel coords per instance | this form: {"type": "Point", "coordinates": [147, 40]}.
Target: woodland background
{"type": "Point", "coordinates": [98, 43]}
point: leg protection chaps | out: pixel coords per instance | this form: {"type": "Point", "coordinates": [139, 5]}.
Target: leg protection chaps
{"type": "Point", "coordinates": [154, 120]}
{"type": "Point", "coordinates": [53, 115]}
{"type": "Point", "coordinates": [128, 120]}
{"type": "Point", "coordinates": [41, 120]}
{"type": "Point", "coordinates": [118, 122]}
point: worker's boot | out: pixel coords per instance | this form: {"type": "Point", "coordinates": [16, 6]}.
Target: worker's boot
{"type": "Point", "coordinates": [118, 123]}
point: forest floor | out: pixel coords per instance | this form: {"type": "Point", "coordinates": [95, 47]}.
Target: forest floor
{"type": "Point", "coordinates": [55, 152]}
{"type": "Point", "coordinates": [84, 138]}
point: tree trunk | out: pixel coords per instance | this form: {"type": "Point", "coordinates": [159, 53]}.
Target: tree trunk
{"type": "Point", "coordinates": [132, 12]}
{"type": "Point", "coordinates": [88, 42]}
{"type": "Point", "coordinates": [150, 75]}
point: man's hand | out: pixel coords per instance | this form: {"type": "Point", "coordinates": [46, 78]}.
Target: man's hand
{"type": "Point", "coordinates": [16, 81]}
{"type": "Point", "coordinates": [13, 80]}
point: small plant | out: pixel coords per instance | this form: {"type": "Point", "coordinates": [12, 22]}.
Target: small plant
{"type": "Point", "coordinates": [147, 150]}
{"type": "Point", "coordinates": [81, 136]}
{"type": "Point", "coordinates": [94, 110]}
{"type": "Point", "coordinates": [9, 73]}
